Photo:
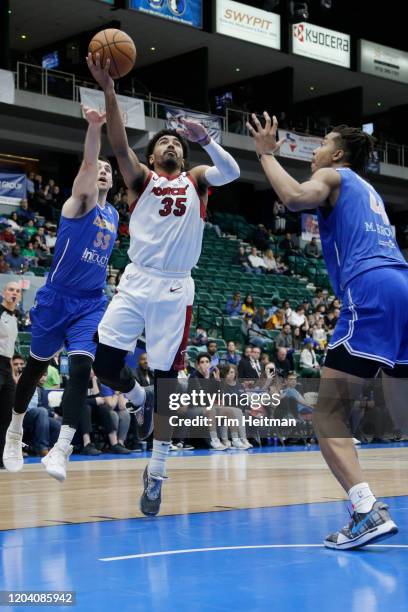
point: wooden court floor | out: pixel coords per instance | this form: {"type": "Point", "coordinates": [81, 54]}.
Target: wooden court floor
{"type": "Point", "coordinates": [100, 490]}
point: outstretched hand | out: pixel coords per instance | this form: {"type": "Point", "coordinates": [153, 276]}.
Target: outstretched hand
{"type": "Point", "coordinates": [93, 116]}
{"type": "Point", "coordinates": [265, 137]}
{"type": "Point", "coordinates": [193, 131]}
{"type": "Point", "coordinates": [99, 73]}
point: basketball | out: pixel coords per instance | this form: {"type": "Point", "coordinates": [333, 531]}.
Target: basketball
{"type": "Point", "coordinates": [118, 47]}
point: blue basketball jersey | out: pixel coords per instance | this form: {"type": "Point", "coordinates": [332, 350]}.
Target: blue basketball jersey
{"type": "Point", "coordinates": [82, 252]}
{"type": "Point", "coordinates": [356, 234]}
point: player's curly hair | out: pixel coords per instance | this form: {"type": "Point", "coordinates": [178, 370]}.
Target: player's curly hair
{"type": "Point", "coordinates": [357, 145]}
{"type": "Point", "coordinates": [156, 138]}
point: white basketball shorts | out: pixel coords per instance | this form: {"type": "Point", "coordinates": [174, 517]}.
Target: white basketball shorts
{"type": "Point", "coordinates": [156, 302]}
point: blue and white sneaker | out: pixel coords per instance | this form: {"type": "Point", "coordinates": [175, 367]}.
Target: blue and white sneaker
{"type": "Point", "coordinates": [364, 529]}
{"type": "Point", "coordinates": [151, 496]}
{"type": "Point", "coordinates": [144, 414]}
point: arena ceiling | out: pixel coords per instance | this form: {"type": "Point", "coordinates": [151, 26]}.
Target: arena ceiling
{"type": "Point", "coordinates": [50, 20]}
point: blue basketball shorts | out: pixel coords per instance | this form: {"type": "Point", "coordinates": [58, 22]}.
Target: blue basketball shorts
{"type": "Point", "coordinates": [59, 320]}
{"type": "Point", "coordinates": [373, 323]}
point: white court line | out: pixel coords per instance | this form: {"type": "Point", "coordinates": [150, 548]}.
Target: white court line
{"type": "Point", "coordinates": [163, 553]}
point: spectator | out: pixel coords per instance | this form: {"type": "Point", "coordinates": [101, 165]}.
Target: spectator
{"type": "Point", "coordinates": [57, 198]}
{"type": "Point", "coordinates": [248, 307]}
{"type": "Point", "coordinates": [232, 356]}
{"type": "Point", "coordinates": [242, 259]}
{"type": "Point", "coordinates": [297, 341]}
{"type": "Point", "coordinates": [29, 230]}
{"type": "Point", "coordinates": [320, 334]}
{"type": "Point", "coordinates": [4, 266]}
{"type": "Point", "coordinates": [15, 260]}
{"type": "Point", "coordinates": [278, 213]}
{"type": "Point", "coordinates": [274, 308]}
{"type": "Point", "coordinates": [277, 320]}
{"type": "Point", "coordinates": [203, 366]}
{"type": "Point", "coordinates": [53, 380]}
{"type": "Point", "coordinates": [234, 305]}
{"type": "Point", "coordinates": [43, 255]}
{"type": "Point", "coordinates": [8, 237]}
{"type": "Point", "coordinates": [257, 263]}
{"type": "Point", "coordinates": [116, 403]}
{"type": "Point", "coordinates": [287, 308]}
{"type": "Point", "coordinates": [309, 366]}
{"type": "Point", "coordinates": [30, 253]}
{"type": "Point", "coordinates": [231, 385]}
{"type": "Point", "coordinates": [311, 250]}
{"type": "Point", "coordinates": [24, 214]}
{"type": "Point", "coordinates": [30, 184]}
{"type": "Point", "coordinates": [13, 222]}
{"type": "Point", "coordinates": [282, 363]}
{"type": "Point", "coordinates": [261, 238]}
{"type": "Point", "coordinates": [200, 338]}
{"type": "Point", "coordinates": [143, 374]}
{"type": "Point", "coordinates": [319, 298]}
{"type": "Point", "coordinates": [260, 317]}
{"type": "Point", "coordinates": [213, 353]}
{"type": "Point", "coordinates": [250, 367]}
{"type": "Point", "coordinates": [304, 410]}
{"type": "Point", "coordinates": [281, 267]}
{"type": "Point", "coordinates": [51, 237]}
{"type": "Point", "coordinates": [285, 338]}
{"type": "Point", "coordinates": [252, 332]}
{"type": "Point", "coordinates": [298, 318]}
{"type": "Point", "coordinates": [270, 262]}
{"type": "Point", "coordinates": [110, 288]}
{"type": "Point", "coordinates": [288, 246]}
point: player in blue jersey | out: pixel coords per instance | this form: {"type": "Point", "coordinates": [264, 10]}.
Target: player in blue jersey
{"type": "Point", "coordinates": [369, 273]}
{"type": "Point", "coordinates": [69, 307]}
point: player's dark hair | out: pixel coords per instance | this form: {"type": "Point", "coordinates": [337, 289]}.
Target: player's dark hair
{"type": "Point", "coordinates": [156, 138]}
{"type": "Point", "coordinates": [106, 160]}
{"type": "Point", "coordinates": [357, 145]}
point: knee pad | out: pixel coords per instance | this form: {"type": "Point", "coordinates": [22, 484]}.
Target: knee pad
{"type": "Point", "coordinates": [80, 369]}
{"type": "Point", "coordinates": [110, 368]}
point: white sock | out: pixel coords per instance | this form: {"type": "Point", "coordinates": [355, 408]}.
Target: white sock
{"type": "Point", "coordinates": [157, 463]}
{"type": "Point", "coordinates": [361, 497]}
{"type": "Point", "coordinates": [234, 435]}
{"type": "Point", "coordinates": [137, 395]}
{"type": "Point", "coordinates": [65, 437]}
{"type": "Point", "coordinates": [213, 435]}
{"type": "Point", "coordinates": [16, 425]}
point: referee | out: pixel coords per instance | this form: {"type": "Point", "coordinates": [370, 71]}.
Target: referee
{"type": "Point", "coordinates": [8, 337]}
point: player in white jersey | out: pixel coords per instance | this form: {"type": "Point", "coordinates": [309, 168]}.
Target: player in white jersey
{"type": "Point", "coordinates": [156, 291]}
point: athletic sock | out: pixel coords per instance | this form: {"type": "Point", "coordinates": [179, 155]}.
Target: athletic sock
{"type": "Point", "coordinates": [137, 395]}
{"type": "Point", "coordinates": [157, 463]}
{"type": "Point", "coordinates": [361, 497]}
{"type": "Point", "coordinates": [16, 425]}
{"type": "Point", "coordinates": [234, 435]}
{"type": "Point", "coordinates": [65, 437]}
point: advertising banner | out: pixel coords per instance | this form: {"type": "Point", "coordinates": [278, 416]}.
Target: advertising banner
{"type": "Point", "coordinates": [133, 111]}
{"type": "Point", "coordinates": [183, 11]}
{"type": "Point", "coordinates": [211, 122]}
{"type": "Point", "coordinates": [298, 146]}
{"type": "Point", "coordinates": [13, 188]}
{"type": "Point", "coordinates": [383, 61]}
{"type": "Point", "coordinates": [321, 44]}
{"type": "Point", "coordinates": [248, 23]}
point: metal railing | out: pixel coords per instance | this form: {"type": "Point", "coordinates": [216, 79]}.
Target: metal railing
{"type": "Point", "coordinates": [59, 84]}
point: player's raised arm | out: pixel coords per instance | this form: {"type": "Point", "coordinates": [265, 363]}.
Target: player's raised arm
{"type": "Point", "coordinates": [85, 188]}
{"type": "Point", "coordinates": [225, 168]}
{"type": "Point", "coordinates": [134, 173]}
{"type": "Point", "coordinates": [294, 195]}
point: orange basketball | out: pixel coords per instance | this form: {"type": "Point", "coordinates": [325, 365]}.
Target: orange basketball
{"type": "Point", "coordinates": [118, 47]}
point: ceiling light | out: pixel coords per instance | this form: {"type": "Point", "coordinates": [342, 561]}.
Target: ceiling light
{"type": "Point", "coordinates": [153, 49]}
{"type": "Point", "coordinates": [237, 69]}
{"type": "Point", "coordinates": [24, 36]}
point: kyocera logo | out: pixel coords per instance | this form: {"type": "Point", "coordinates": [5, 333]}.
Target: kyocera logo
{"type": "Point", "coordinates": [299, 31]}
{"type": "Point", "coordinates": [326, 38]}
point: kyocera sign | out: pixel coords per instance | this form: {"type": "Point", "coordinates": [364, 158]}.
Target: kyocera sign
{"type": "Point", "coordinates": [321, 44]}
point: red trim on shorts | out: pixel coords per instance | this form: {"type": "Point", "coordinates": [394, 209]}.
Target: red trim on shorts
{"type": "Point", "coordinates": [178, 363]}
{"type": "Point", "coordinates": [203, 205]}
{"type": "Point", "coordinates": [140, 193]}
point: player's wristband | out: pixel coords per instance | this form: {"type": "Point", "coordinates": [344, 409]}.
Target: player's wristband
{"type": "Point", "coordinates": [203, 142]}
{"type": "Point", "coordinates": [259, 155]}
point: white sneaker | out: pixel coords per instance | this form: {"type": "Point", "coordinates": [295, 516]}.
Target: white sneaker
{"type": "Point", "coordinates": [56, 462]}
{"type": "Point", "coordinates": [355, 441]}
{"type": "Point", "coordinates": [226, 443]}
{"type": "Point", "coordinates": [13, 451]}
{"type": "Point", "coordinates": [238, 444]}
{"type": "Point", "coordinates": [215, 444]}
{"type": "Point", "coordinates": [246, 443]}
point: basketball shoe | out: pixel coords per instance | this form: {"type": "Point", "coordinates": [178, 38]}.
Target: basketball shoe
{"type": "Point", "coordinates": [151, 496]}
{"type": "Point", "coordinates": [56, 462]}
{"type": "Point", "coordinates": [13, 451]}
{"type": "Point", "coordinates": [364, 528]}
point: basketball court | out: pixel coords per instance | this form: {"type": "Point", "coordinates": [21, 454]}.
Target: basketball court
{"type": "Point", "coordinates": [237, 530]}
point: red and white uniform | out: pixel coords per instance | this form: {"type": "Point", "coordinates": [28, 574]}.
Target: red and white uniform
{"type": "Point", "coordinates": [156, 291]}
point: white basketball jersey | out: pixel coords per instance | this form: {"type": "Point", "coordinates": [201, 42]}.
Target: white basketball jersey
{"type": "Point", "coordinates": [167, 224]}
